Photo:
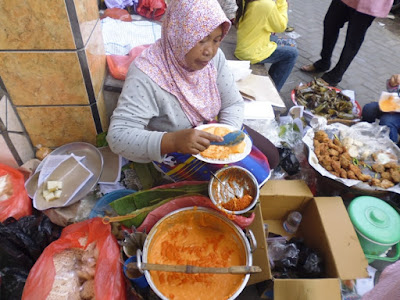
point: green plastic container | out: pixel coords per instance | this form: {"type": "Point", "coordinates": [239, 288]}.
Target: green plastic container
{"type": "Point", "coordinates": [377, 225]}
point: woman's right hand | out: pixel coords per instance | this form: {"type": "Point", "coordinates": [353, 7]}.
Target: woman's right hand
{"type": "Point", "coordinates": [187, 141]}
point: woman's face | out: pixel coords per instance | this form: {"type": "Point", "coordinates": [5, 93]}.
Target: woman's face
{"type": "Point", "coordinates": [200, 55]}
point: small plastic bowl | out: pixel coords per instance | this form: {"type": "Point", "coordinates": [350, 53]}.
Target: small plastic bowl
{"type": "Point", "coordinates": [233, 182]}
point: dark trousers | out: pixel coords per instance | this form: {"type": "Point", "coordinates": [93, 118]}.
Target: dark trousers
{"type": "Point", "coordinates": [358, 23]}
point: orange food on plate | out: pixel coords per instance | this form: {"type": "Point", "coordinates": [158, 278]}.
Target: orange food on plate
{"type": "Point", "coordinates": [221, 152]}
{"type": "Point", "coordinates": [199, 239]}
{"type": "Point", "coordinates": [389, 104]}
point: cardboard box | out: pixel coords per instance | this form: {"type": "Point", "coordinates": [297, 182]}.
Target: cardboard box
{"type": "Point", "coordinates": [325, 227]}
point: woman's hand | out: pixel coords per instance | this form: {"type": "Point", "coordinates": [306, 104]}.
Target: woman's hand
{"type": "Point", "coordinates": [187, 141]}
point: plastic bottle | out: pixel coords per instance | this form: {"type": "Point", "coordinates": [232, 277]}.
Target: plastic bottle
{"type": "Point", "coordinates": [292, 222]}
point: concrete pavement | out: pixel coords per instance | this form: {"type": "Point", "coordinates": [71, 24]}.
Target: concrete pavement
{"type": "Point", "coordinates": [377, 60]}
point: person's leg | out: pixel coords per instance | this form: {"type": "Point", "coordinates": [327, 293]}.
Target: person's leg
{"type": "Point", "coordinates": [391, 120]}
{"type": "Point", "coordinates": [357, 28]}
{"type": "Point", "coordinates": [371, 112]}
{"type": "Point", "coordinates": [282, 61]}
{"type": "Point", "coordinates": [335, 18]}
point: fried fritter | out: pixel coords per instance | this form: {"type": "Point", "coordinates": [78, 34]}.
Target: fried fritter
{"type": "Point", "coordinates": [321, 136]}
{"type": "Point", "coordinates": [386, 175]}
{"type": "Point", "coordinates": [336, 166]}
{"type": "Point", "coordinates": [344, 161]}
{"type": "Point", "coordinates": [351, 175]}
{"type": "Point", "coordinates": [385, 184]}
{"type": "Point", "coordinates": [395, 175]}
{"type": "Point", "coordinates": [378, 168]}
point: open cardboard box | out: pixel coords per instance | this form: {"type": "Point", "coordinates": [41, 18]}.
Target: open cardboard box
{"type": "Point", "coordinates": [325, 227]}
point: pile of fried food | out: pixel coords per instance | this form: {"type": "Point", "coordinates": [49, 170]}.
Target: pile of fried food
{"type": "Point", "coordinates": [75, 270]}
{"type": "Point", "coordinates": [335, 158]}
{"type": "Point", "coordinates": [324, 101]}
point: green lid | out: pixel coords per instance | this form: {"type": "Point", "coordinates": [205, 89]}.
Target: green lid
{"type": "Point", "coordinates": [375, 219]}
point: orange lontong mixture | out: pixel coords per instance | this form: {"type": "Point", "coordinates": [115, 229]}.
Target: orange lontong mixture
{"type": "Point", "coordinates": [199, 239]}
{"type": "Point", "coordinates": [221, 152]}
{"type": "Point", "coordinates": [236, 204]}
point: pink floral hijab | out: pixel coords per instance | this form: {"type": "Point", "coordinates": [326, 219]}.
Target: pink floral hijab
{"type": "Point", "coordinates": [186, 22]}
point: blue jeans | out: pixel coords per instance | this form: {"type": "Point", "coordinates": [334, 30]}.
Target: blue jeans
{"type": "Point", "coordinates": [371, 112]}
{"type": "Point", "coordinates": [282, 61]}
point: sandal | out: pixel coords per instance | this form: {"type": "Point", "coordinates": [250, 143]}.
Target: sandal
{"type": "Point", "coordinates": [329, 81]}
{"type": "Point", "coordinates": [309, 68]}
{"type": "Point", "coordinates": [289, 29]}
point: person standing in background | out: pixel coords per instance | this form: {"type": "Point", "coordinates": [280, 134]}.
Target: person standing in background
{"type": "Point", "coordinates": [359, 14]}
{"type": "Point", "coordinates": [229, 7]}
{"type": "Point", "coordinates": [256, 21]}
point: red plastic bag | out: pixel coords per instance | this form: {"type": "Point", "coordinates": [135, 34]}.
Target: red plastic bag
{"type": "Point", "coordinates": [15, 200]}
{"type": "Point", "coordinates": [151, 9]}
{"type": "Point", "coordinates": [109, 280]}
{"type": "Point", "coordinates": [119, 64]}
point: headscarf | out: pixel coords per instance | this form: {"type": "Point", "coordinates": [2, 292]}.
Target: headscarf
{"type": "Point", "coordinates": [186, 22]}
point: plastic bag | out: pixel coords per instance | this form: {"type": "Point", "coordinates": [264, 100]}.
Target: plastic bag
{"type": "Point", "coordinates": [21, 244]}
{"type": "Point", "coordinates": [118, 65]}
{"type": "Point", "coordinates": [289, 161]}
{"type": "Point", "coordinates": [151, 9]}
{"type": "Point", "coordinates": [14, 200]}
{"type": "Point", "coordinates": [109, 281]}
{"type": "Point", "coordinates": [293, 259]}
{"type": "Point", "coordinates": [118, 3]}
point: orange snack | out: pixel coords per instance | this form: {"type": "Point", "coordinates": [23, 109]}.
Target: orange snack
{"type": "Point", "coordinates": [236, 204]}
{"type": "Point", "coordinates": [221, 152]}
{"type": "Point", "coordinates": [200, 239]}
{"type": "Point", "coordinates": [388, 104]}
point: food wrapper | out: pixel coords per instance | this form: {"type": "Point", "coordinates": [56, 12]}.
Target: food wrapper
{"type": "Point", "coordinates": [389, 102]}
{"type": "Point", "coordinates": [370, 138]}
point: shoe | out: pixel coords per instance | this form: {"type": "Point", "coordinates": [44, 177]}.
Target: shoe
{"type": "Point", "coordinates": [329, 81]}
{"type": "Point", "coordinates": [289, 29]}
{"type": "Point", "coordinates": [311, 69]}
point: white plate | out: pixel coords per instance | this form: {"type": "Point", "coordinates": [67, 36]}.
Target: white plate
{"type": "Point", "coordinates": [72, 174]}
{"type": "Point", "coordinates": [233, 157]}
{"type": "Point", "coordinates": [93, 160]}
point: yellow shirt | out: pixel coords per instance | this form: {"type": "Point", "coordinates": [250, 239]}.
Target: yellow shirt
{"type": "Point", "coordinates": [262, 17]}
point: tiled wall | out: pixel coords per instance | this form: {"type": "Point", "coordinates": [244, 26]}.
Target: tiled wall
{"type": "Point", "coordinates": [53, 67]}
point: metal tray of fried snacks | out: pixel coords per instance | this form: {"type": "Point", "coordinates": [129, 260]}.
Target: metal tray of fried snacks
{"type": "Point", "coordinates": [360, 156]}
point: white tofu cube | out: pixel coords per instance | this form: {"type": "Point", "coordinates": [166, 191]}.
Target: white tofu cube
{"type": "Point", "coordinates": [57, 194]}
{"type": "Point", "coordinates": [45, 193]}
{"type": "Point", "coordinates": [54, 185]}
{"type": "Point", "coordinates": [50, 196]}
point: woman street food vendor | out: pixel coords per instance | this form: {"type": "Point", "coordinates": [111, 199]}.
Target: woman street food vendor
{"type": "Point", "coordinates": [180, 82]}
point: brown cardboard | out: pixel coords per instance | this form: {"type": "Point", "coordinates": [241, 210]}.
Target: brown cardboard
{"type": "Point", "coordinates": [310, 289]}
{"type": "Point", "coordinates": [325, 227]}
{"type": "Point", "coordinates": [260, 254]}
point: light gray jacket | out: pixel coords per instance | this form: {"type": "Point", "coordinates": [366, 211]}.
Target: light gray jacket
{"type": "Point", "coordinates": [145, 112]}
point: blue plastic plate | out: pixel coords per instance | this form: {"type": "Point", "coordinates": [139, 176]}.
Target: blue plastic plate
{"type": "Point", "coordinates": [102, 205]}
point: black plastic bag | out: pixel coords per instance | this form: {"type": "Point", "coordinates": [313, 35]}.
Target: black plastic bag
{"type": "Point", "coordinates": [289, 161]}
{"type": "Point", "coordinates": [21, 243]}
